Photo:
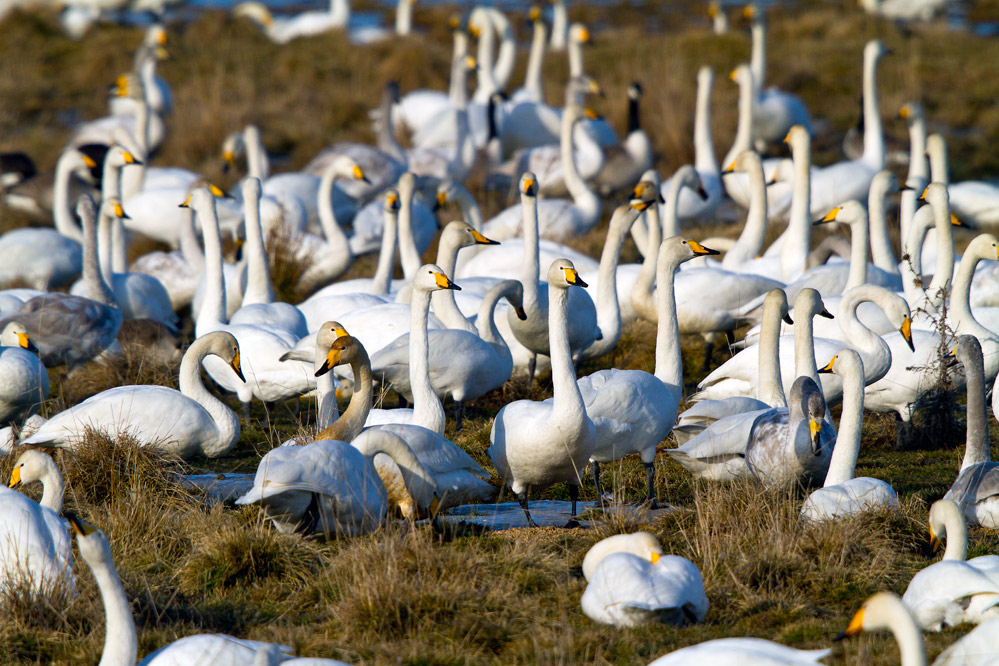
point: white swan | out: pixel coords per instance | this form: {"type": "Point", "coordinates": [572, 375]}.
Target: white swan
{"type": "Point", "coordinates": [269, 379]}
{"type": "Point", "coordinates": [631, 582]}
{"type": "Point", "coordinates": [417, 107]}
{"type": "Point", "coordinates": [187, 422]}
{"type": "Point", "coordinates": [462, 364]}
{"type": "Point", "coordinates": [947, 524]}
{"type": "Point", "coordinates": [34, 548]}
{"type": "Point", "coordinates": [284, 29]}
{"type": "Point", "coordinates": [85, 327]}
{"type": "Point", "coordinates": [427, 409]}
{"type": "Point", "coordinates": [741, 651]}
{"type": "Point", "coordinates": [258, 306]}
{"type": "Point", "coordinates": [624, 163]}
{"type": "Point", "coordinates": [885, 611]}
{"type": "Point", "coordinates": [776, 111]}
{"type": "Point", "coordinates": [976, 489]}
{"type": "Point", "coordinates": [24, 383]}
{"type": "Point", "coordinates": [633, 411]}
{"type": "Point", "coordinates": [458, 477]}
{"type": "Point", "coordinates": [842, 494]}
{"type": "Point", "coordinates": [536, 444]}
{"type": "Point", "coordinates": [558, 219]}
{"type": "Point", "coordinates": [43, 258]}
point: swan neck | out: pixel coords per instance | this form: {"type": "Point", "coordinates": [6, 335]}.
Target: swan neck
{"type": "Point", "coordinates": [350, 424]}
{"type": "Point", "coordinates": [795, 251]}
{"type": "Point", "coordinates": [804, 348]}
{"type": "Point", "coordinates": [257, 165]}
{"type": "Point", "coordinates": [583, 197]}
{"type": "Point", "coordinates": [771, 388]}
{"type": "Point", "coordinates": [258, 281]}
{"type": "Point", "coordinates": [120, 642]}
{"type": "Point", "coordinates": [858, 252]}
{"type": "Point", "coordinates": [408, 253]}
{"type": "Point", "coordinates": [444, 305]}
{"type": "Point", "coordinates": [758, 55]}
{"type": "Point", "coordinates": [919, 166]}
{"type": "Point", "coordinates": [535, 63]}
{"type": "Point", "coordinates": [847, 448]}
{"type": "Point", "coordinates": [336, 240]}
{"type": "Point", "coordinates": [957, 534]}
{"type": "Point", "coordinates": [93, 280]}
{"type": "Point", "coordinates": [940, 284]}
{"type": "Point", "coordinates": [427, 409]}
{"type": "Point", "coordinates": [704, 149]}
{"type": "Point", "coordinates": [53, 488]}
{"type": "Point", "coordinates": [642, 299]}
{"type": "Point", "coordinates": [404, 17]}
{"type": "Point", "coordinates": [104, 244]}
{"type": "Point", "coordinates": [190, 249]}
{"type": "Point", "coordinates": [532, 252]}
{"type": "Point", "coordinates": [669, 364]}
{"type": "Point", "coordinates": [608, 307]}
{"type": "Point", "coordinates": [976, 448]}
{"type": "Point", "coordinates": [912, 650]}
{"type": "Point", "coordinates": [566, 392]}
{"type": "Point", "coordinates": [751, 239]}
{"type": "Point", "coordinates": [419, 482]}
{"type": "Point", "coordinates": [744, 128]}
{"type": "Point", "coordinates": [575, 49]}
{"type": "Point", "coordinates": [213, 308]}
{"type": "Point", "coordinates": [191, 386]}
{"type": "Point", "coordinates": [671, 222]}
{"type": "Point", "coordinates": [62, 209]}
{"type": "Point", "coordinates": [881, 250]}
{"type": "Point", "coordinates": [485, 322]}
{"type": "Point", "coordinates": [874, 142]}
{"type": "Point", "coordinates": [382, 280]}
{"type": "Point", "coordinates": [486, 84]}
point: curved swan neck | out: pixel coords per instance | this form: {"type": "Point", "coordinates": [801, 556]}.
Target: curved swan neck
{"type": "Point", "coordinates": [535, 63]}
{"type": "Point", "coordinates": [566, 392]}
{"type": "Point", "coordinates": [847, 448]}
{"type": "Point", "coordinates": [62, 209]}
{"type": "Point", "coordinates": [191, 386]}
{"type": "Point", "coordinates": [750, 241]}
{"type": "Point", "coordinates": [583, 197]}
{"type": "Point", "coordinates": [382, 280]}
{"type": "Point", "coordinates": [794, 252]}
{"type": "Point", "coordinates": [857, 334]}
{"type": "Point", "coordinates": [408, 253]}
{"type": "Point", "coordinates": [53, 488]}
{"type": "Point", "coordinates": [960, 301]}
{"type": "Point", "coordinates": [881, 251]}
{"type": "Point", "coordinates": [213, 308]}
{"type": "Point", "coordinates": [351, 422]}
{"type": "Point", "coordinates": [645, 284]}
{"type": "Point", "coordinates": [704, 149]}
{"type": "Point", "coordinates": [486, 84]}
{"type": "Point", "coordinates": [608, 307]}
{"type": "Point", "coordinates": [443, 302]}
{"type": "Point", "coordinates": [120, 642]}
{"type": "Point", "coordinates": [874, 142]}
{"type": "Point", "coordinates": [669, 364]}
{"type": "Point", "coordinates": [337, 244]}
{"type": "Point", "coordinates": [940, 284]}
{"type": "Point", "coordinates": [506, 57]}
{"type": "Point", "coordinates": [956, 532]}
{"type": "Point", "coordinates": [858, 251]}
{"type": "Point", "coordinates": [419, 482]}
{"type": "Point", "coordinates": [93, 278]}
{"type": "Point", "coordinates": [427, 409]}
{"type": "Point", "coordinates": [258, 281]}
{"type": "Point", "coordinates": [976, 448]}
{"type": "Point", "coordinates": [485, 322]}
{"type": "Point", "coordinates": [771, 387]}
{"type": "Point", "coordinates": [758, 54]}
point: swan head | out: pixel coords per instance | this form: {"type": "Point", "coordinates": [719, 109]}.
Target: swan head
{"type": "Point", "coordinates": [880, 612]}
{"type": "Point", "coordinates": [844, 363]}
{"type": "Point", "coordinates": [112, 208]}
{"type": "Point", "coordinates": [686, 176]}
{"type": "Point", "coordinates": [984, 247]}
{"type": "Point", "coordinates": [885, 182]}
{"type": "Point", "coordinates": [328, 333]}
{"type": "Point", "coordinates": [776, 303]}
{"type": "Point", "coordinates": [431, 277]}
{"type": "Point", "coordinates": [93, 544]}
{"type": "Point", "coordinates": [16, 335]}
{"type": "Point", "coordinates": [32, 466]}
{"type": "Point", "coordinates": [625, 215]}
{"type": "Point", "coordinates": [677, 250]}
{"type": "Point", "coordinates": [647, 190]}
{"type": "Point", "coordinates": [200, 200]}
{"type": "Point", "coordinates": [579, 34]}
{"type": "Point", "coordinates": [345, 167]}
{"type": "Point", "coordinates": [344, 350]}
{"type": "Point", "coordinates": [911, 112]}
{"type": "Point", "coordinates": [529, 184]}
{"type": "Point", "coordinates": [156, 35]}
{"type": "Point", "coordinates": [875, 49]}
{"type": "Point", "coordinates": [944, 514]}
{"type": "Point", "coordinates": [449, 190]}
{"type": "Point", "coordinates": [255, 11]}
{"type": "Point", "coordinates": [464, 235]}
{"type": "Point", "coordinates": [650, 177]}
{"type": "Point", "coordinates": [742, 76]}
{"type": "Point", "coordinates": [392, 201]}
{"type": "Point", "coordinates": [751, 13]}
{"type": "Point", "coordinates": [639, 544]}
{"type": "Point", "coordinates": [513, 291]}
{"type": "Point", "coordinates": [808, 303]}
{"type": "Point", "coordinates": [119, 157]}
{"type": "Point", "coordinates": [849, 212]}
{"type": "Point", "coordinates": [798, 138]}
{"type": "Point", "coordinates": [562, 273]}
{"type": "Point", "coordinates": [747, 160]}
{"type": "Point", "coordinates": [224, 345]}
{"type": "Point", "coordinates": [807, 404]}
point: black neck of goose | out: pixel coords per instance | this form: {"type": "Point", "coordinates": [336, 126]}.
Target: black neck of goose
{"type": "Point", "coordinates": [633, 122]}
{"type": "Point", "coordinates": [491, 119]}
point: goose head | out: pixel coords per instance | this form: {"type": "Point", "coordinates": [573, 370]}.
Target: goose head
{"type": "Point", "coordinates": [640, 544]}
{"type": "Point", "coordinates": [808, 303]}
{"type": "Point", "coordinates": [32, 465]}
{"type": "Point", "coordinates": [528, 184]}
{"type": "Point", "coordinates": [16, 335]}
{"type": "Point", "coordinates": [329, 333]}
{"type": "Point", "coordinates": [806, 403]}
{"type": "Point", "coordinates": [224, 345]}
{"type": "Point", "coordinates": [562, 273]}
{"type": "Point", "coordinates": [431, 278]}
{"type": "Point", "coordinates": [463, 234]}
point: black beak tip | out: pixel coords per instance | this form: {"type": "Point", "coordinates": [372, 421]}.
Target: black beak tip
{"type": "Point", "coordinates": [455, 287]}
{"type": "Point", "coordinates": [788, 320]}
{"type": "Point", "coordinates": [521, 314]}
{"type": "Point", "coordinates": [826, 314]}
{"type": "Point", "coordinates": [840, 636]}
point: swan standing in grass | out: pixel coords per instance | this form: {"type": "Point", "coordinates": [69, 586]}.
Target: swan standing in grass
{"type": "Point", "coordinates": [633, 411]}
{"type": "Point", "coordinates": [842, 494]}
{"type": "Point", "coordinates": [427, 409]}
{"type": "Point", "coordinates": [631, 583]}
{"type": "Point", "coordinates": [24, 383]}
{"type": "Point", "coordinates": [120, 641]}
{"type": "Point", "coordinates": [536, 444]}
{"type": "Point", "coordinates": [71, 330]}
{"type": "Point", "coordinates": [269, 379]}
{"type": "Point", "coordinates": [187, 422]}
{"type": "Point", "coordinates": [258, 306]}
{"type": "Point", "coordinates": [462, 365]}
{"type": "Point", "coordinates": [976, 489]}
{"type": "Point", "coordinates": [34, 547]}
{"type": "Point", "coordinates": [776, 111]}
{"type": "Point", "coordinates": [458, 477]}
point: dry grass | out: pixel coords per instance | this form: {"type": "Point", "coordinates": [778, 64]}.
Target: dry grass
{"type": "Point", "coordinates": [402, 595]}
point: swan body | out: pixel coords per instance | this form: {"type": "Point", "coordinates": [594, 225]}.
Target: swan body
{"type": "Point", "coordinates": [282, 29]}
{"type": "Point", "coordinates": [741, 651]}
{"type": "Point", "coordinates": [39, 258]}
{"type": "Point", "coordinates": [187, 422]}
{"type": "Point", "coordinates": [24, 383]}
{"type": "Point", "coordinates": [631, 583]}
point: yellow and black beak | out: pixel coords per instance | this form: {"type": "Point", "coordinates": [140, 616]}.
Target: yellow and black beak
{"type": "Point", "coordinates": [922, 197]}
{"type": "Point", "coordinates": [218, 192]}
{"type": "Point", "coordinates": [359, 175]}
{"type": "Point", "coordinates": [936, 543]}
{"type": "Point", "coordinates": [956, 222]}
{"type": "Point", "coordinates": [120, 213]}
{"type": "Point", "coordinates": [731, 167]}
{"type": "Point", "coordinates": [234, 364]}
{"type": "Point", "coordinates": [187, 202]}
{"type": "Point", "coordinates": [699, 249]}
{"type": "Point", "coordinates": [639, 204]}
{"type": "Point", "coordinates": [15, 477]}
{"type": "Point", "coordinates": [830, 216]}
{"type": "Point", "coordinates": [530, 187]}
{"type": "Point", "coordinates": [332, 360]}
{"type": "Point", "coordinates": [441, 199]}
{"type": "Point", "coordinates": [572, 277]}
{"type": "Point", "coordinates": [855, 627]}
{"type": "Point", "coordinates": [906, 330]}
{"type": "Point", "coordinates": [829, 366]}
{"type": "Point", "coordinates": [591, 114]}
{"type": "Point", "coordinates": [521, 314]}
{"type": "Point", "coordinates": [815, 431]}
{"type": "Point", "coordinates": [26, 343]}
{"type": "Point", "coordinates": [130, 158]}
{"type": "Point", "coordinates": [393, 201]}
{"type": "Point", "coordinates": [584, 36]}
{"type": "Point", "coordinates": [78, 527]}
{"type": "Point", "coordinates": [444, 282]}
{"type": "Point", "coordinates": [228, 161]}
{"type": "Point", "coordinates": [655, 557]}
{"type": "Point", "coordinates": [482, 240]}
{"type": "Point", "coordinates": [89, 161]}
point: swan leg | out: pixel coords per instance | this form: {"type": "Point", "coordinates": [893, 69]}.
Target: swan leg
{"type": "Point", "coordinates": [596, 479]}
{"type": "Point", "coordinates": [403, 403]}
{"type": "Point", "coordinates": [246, 411]}
{"type": "Point", "coordinates": [650, 476]}
{"type": "Point", "coordinates": [709, 349]}
{"type": "Point", "coordinates": [522, 498]}
{"type": "Point", "coordinates": [574, 496]}
{"type": "Point", "coordinates": [532, 365]}
{"type": "Point", "coordinates": [459, 414]}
